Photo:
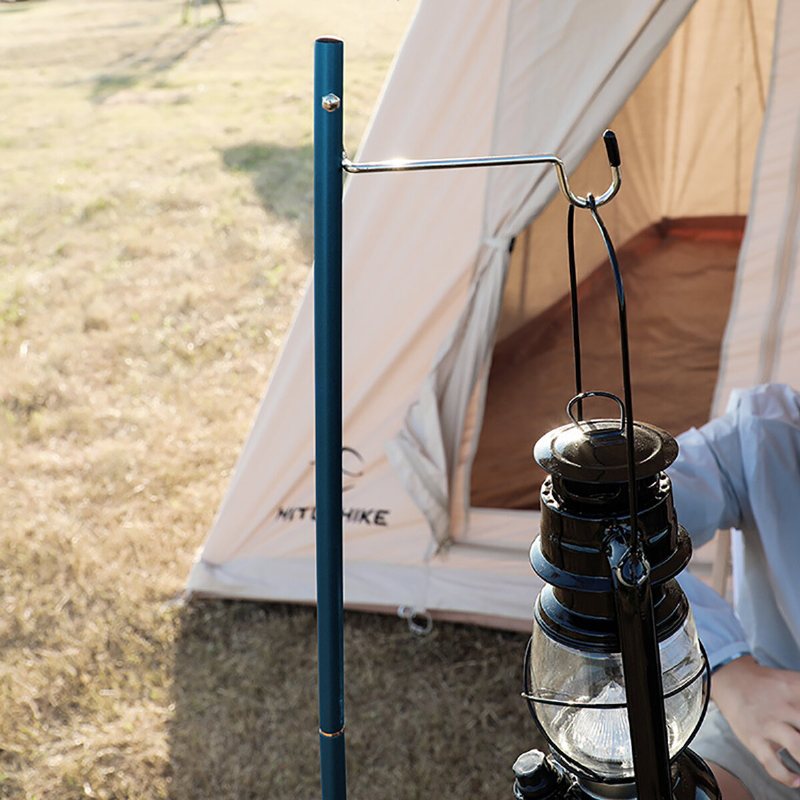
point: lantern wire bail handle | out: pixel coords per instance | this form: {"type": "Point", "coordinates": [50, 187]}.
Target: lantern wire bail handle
{"type": "Point", "coordinates": [614, 161]}
{"type": "Point", "coordinates": [626, 421]}
{"type": "Point", "coordinates": [581, 396]}
{"type": "Point", "coordinates": [625, 551]}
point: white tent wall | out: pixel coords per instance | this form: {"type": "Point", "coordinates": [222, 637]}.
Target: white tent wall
{"type": "Point", "coordinates": [262, 542]}
{"type": "Point", "coordinates": [669, 263]}
{"type": "Point", "coordinates": [425, 256]}
{"type": "Point", "coordinates": [762, 341]}
{"type": "Point", "coordinates": [679, 160]}
{"type": "Point", "coordinates": [539, 106]}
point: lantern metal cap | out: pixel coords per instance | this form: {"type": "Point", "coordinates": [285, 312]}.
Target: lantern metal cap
{"type": "Point", "coordinates": [594, 451]}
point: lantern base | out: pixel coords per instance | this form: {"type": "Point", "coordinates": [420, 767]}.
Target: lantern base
{"type": "Point", "coordinates": [545, 778]}
{"type": "Point", "coordinates": [691, 780]}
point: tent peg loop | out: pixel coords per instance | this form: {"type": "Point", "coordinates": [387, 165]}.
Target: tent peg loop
{"type": "Point", "coordinates": [419, 621]}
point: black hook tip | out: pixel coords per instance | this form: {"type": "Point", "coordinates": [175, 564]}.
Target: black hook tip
{"type": "Point", "coordinates": [612, 148]}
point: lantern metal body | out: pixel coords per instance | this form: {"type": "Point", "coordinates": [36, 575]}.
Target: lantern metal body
{"type": "Point", "coordinates": [615, 675]}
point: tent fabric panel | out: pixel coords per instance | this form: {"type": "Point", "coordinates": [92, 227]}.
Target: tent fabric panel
{"type": "Point", "coordinates": [537, 275]}
{"type": "Point", "coordinates": [387, 594]}
{"type": "Point", "coordinates": [670, 271]}
{"type": "Point", "coordinates": [470, 584]}
{"type": "Point", "coordinates": [678, 160]}
{"type": "Point", "coordinates": [762, 340]}
{"type": "Point", "coordinates": [415, 248]}
{"type": "Point", "coordinates": [711, 64]}
{"type": "Point", "coordinates": [392, 329]}
{"type": "Point", "coordinates": [366, 583]}
{"type": "Point", "coordinates": [459, 501]}
{"type": "Point", "coordinates": [502, 529]}
{"type": "Point", "coordinates": [572, 106]}
{"type": "Point", "coordinates": [483, 582]}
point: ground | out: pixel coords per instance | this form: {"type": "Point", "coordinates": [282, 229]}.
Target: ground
{"type": "Point", "coordinates": [155, 199]}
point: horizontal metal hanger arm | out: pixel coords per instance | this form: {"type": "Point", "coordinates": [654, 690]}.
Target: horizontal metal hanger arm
{"type": "Point", "coordinates": [406, 165]}
{"type": "Point", "coordinates": [409, 165]}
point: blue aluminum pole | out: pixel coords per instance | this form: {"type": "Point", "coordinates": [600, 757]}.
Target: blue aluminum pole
{"type": "Point", "coordinates": [328, 148]}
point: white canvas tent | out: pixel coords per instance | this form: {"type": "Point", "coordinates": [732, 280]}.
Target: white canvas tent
{"type": "Point", "coordinates": [431, 292]}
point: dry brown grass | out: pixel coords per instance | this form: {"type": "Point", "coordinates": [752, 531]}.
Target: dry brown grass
{"type": "Point", "coordinates": [154, 221]}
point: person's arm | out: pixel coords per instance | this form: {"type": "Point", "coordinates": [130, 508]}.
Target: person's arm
{"type": "Point", "coordinates": [707, 485]}
{"type": "Point", "coordinates": [717, 625]}
{"type": "Point", "coordinates": [761, 704]}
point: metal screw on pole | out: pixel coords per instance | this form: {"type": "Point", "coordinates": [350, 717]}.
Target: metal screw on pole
{"type": "Point", "coordinates": [331, 102]}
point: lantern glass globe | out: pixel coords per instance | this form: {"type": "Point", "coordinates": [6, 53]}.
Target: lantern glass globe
{"type": "Point", "coordinates": [581, 699]}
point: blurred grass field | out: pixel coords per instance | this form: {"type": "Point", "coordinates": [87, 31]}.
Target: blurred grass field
{"type": "Point", "coordinates": [155, 206]}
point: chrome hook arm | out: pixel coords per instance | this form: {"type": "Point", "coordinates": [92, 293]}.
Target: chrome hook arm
{"type": "Point", "coordinates": [404, 165]}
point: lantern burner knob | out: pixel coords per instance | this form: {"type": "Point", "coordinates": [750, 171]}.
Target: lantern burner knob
{"type": "Point", "coordinates": [535, 778]}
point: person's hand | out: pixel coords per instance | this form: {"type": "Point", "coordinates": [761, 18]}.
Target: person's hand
{"type": "Point", "coordinates": [762, 706]}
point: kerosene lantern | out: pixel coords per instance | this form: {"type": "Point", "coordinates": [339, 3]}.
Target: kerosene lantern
{"type": "Point", "coordinates": [615, 676]}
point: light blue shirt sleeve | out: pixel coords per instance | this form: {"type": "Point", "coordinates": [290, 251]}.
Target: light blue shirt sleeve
{"type": "Point", "coordinates": [708, 484]}
{"type": "Point", "coordinates": [710, 493]}
{"type": "Point", "coordinates": [717, 625]}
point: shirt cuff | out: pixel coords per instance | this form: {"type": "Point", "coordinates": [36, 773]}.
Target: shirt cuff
{"type": "Point", "coordinates": [725, 655]}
